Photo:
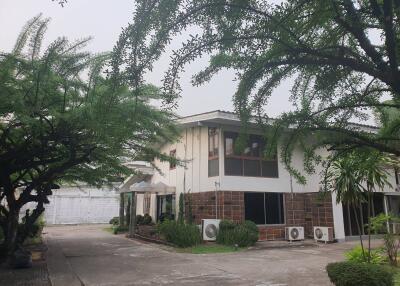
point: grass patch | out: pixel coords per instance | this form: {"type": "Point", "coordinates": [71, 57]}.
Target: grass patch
{"type": "Point", "coordinates": [209, 248]}
{"type": "Point", "coordinates": [109, 229]}
{"type": "Point", "coordinates": [397, 278]}
{"type": "Point", "coordinates": [33, 240]}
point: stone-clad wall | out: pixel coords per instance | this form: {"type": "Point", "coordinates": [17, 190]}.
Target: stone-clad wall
{"type": "Point", "coordinates": [230, 205]}
{"type": "Point", "coordinates": [305, 209]}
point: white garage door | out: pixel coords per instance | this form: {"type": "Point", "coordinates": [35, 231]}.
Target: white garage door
{"type": "Point", "coordinates": [83, 205]}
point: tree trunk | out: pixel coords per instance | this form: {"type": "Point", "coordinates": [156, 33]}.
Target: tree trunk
{"type": "Point", "coordinates": [30, 220]}
{"type": "Point", "coordinates": [10, 236]}
{"type": "Point", "coordinates": [359, 230]}
{"type": "Point", "coordinates": [369, 225]}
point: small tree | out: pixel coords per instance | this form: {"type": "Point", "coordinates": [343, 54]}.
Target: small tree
{"type": "Point", "coordinates": [382, 223]}
{"type": "Point", "coordinates": [354, 176]}
{"type": "Point", "coordinates": [64, 119]}
{"type": "Point", "coordinates": [373, 170]}
{"type": "Point", "coordinates": [343, 177]}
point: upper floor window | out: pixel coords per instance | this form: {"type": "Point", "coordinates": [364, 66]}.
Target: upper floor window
{"type": "Point", "coordinates": [249, 161]}
{"type": "Point", "coordinates": [213, 149]}
{"type": "Point", "coordinates": [172, 153]}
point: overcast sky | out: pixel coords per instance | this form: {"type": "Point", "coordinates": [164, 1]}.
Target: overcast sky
{"type": "Point", "coordinates": [103, 20]}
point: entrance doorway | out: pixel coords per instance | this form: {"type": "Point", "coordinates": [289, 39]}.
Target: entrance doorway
{"type": "Point", "coordinates": [165, 207]}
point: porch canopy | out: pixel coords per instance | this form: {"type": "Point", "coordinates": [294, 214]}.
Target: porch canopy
{"type": "Point", "coordinates": [144, 187]}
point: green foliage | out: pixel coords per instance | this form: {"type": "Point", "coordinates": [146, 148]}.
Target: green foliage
{"type": "Point", "coordinates": [355, 274]}
{"type": "Point", "coordinates": [351, 175]}
{"type": "Point", "coordinates": [210, 248]}
{"type": "Point", "coordinates": [181, 214]}
{"type": "Point", "coordinates": [64, 118]}
{"type": "Point", "coordinates": [384, 224]}
{"type": "Point", "coordinates": [376, 256]}
{"type": "Point", "coordinates": [354, 176]}
{"type": "Point", "coordinates": [114, 220]}
{"type": "Point", "coordinates": [338, 72]}
{"type": "Point", "coordinates": [242, 234]}
{"type": "Point", "coordinates": [118, 229]}
{"type": "Point", "coordinates": [180, 234]}
{"type": "Point", "coordinates": [143, 219]}
{"type": "Point", "coordinates": [147, 219]}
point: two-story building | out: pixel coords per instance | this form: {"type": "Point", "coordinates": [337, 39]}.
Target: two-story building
{"type": "Point", "coordinates": [225, 184]}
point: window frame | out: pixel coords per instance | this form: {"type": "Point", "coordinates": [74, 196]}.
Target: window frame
{"type": "Point", "coordinates": [242, 157]}
{"type": "Point", "coordinates": [172, 153]}
{"type": "Point", "coordinates": [265, 210]}
{"type": "Point", "coordinates": [146, 203]}
{"type": "Point", "coordinates": [213, 156]}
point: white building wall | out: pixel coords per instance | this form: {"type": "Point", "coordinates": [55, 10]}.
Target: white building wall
{"type": "Point", "coordinates": [192, 148]}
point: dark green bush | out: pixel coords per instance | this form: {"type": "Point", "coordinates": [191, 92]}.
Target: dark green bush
{"type": "Point", "coordinates": [356, 274]}
{"type": "Point", "coordinates": [147, 219]}
{"type": "Point", "coordinates": [180, 234]}
{"type": "Point", "coordinates": [114, 220]}
{"type": "Point", "coordinates": [117, 229]}
{"type": "Point", "coordinates": [243, 234]}
{"type": "Point", "coordinates": [143, 220]}
{"type": "Point", "coordinates": [139, 219]}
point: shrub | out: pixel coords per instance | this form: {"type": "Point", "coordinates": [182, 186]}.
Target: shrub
{"type": "Point", "coordinates": [143, 220]}
{"type": "Point", "coordinates": [117, 229]}
{"type": "Point", "coordinates": [243, 234]}
{"type": "Point", "coordinates": [354, 274]}
{"type": "Point", "coordinates": [114, 220]}
{"type": "Point", "coordinates": [356, 255]}
{"type": "Point", "coordinates": [139, 219]}
{"type": "Point", "coordinates": [147, 219]}
{"type": "Point", "coordinates": [180, 234]}
{"type": "Point", "coordinates": [391, 240]}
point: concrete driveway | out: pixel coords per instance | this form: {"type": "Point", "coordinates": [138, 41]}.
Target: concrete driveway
{"type": "Point", "coordinates": [89, 255]}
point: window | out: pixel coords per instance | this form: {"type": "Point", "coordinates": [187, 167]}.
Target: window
{"type": "Point", "coordinates": [213, 160]}
{"type": "Point", "coordinates": [172, 154]}
{"type": "Point", "coordinates": [146, 203]}
{"type": "Point", "coordinates": [264, 208]}
{"type": "Point", "coordinates": [248, 162]}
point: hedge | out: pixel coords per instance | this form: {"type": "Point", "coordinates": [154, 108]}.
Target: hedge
{"type": "Point", "coordinates": [180, 234]}
{"type": "Point", "coordinates": [242, 234]}
{"type": "Point", "coordinates": [355, 274]}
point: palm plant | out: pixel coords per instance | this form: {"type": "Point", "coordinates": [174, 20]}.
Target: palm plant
{"type": "Point", "coordinates": [355, 176]}
{"type": "Point", "coordinates": [373, 168]}
{"type": "Point", "coordinates": [343, 177]}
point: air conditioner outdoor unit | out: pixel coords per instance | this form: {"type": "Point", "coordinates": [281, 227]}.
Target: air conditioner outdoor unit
{"type": "Point", "coordinates": [210, 228]}
{"type": "Point", "coordinates": [294, 233]}
{"type": "Point", "coordinates": [323, 233]}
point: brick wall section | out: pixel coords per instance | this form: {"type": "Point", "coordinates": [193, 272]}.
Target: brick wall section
{"type": "Point", "coordinates": [230, 205]}
{"type": "Point", "coordinates": [305, 209]}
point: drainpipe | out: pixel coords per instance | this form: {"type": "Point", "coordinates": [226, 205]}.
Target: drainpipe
{"type": "Point", "coordinates": [217, 184]}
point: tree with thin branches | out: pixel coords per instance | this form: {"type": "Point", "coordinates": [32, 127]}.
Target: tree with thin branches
{"type": "Point", "coordinates": [341, 58]}
{"type": "Point", "coordinates": [65, 119]}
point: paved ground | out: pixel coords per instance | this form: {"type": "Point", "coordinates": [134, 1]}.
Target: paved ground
{"type": "Point", "coordinates": [95, 257]}
{"type": "Point", "coordinates": [35, 276]}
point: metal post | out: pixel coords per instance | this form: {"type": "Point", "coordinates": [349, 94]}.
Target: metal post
{"type": "Point", "coordinates": [216, 199]}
